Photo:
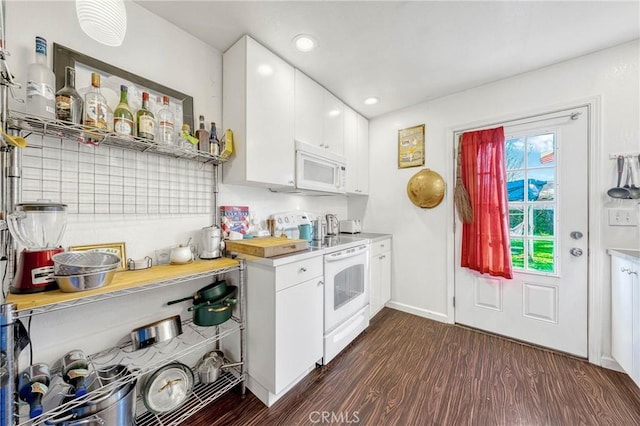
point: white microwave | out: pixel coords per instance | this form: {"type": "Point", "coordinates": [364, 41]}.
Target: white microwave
{"type": "Point", "coordinates": [320, 170]}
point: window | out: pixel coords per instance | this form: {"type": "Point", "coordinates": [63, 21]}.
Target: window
{"type": "Point", "coordinates": [531, 185]}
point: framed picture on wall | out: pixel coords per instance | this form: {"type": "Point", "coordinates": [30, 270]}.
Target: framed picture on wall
{"type": "Point", "coordinates": [114, 248]}
{"type": "Point", "coordinates": [411, 147]}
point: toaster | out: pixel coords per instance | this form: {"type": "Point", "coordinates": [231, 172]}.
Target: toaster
{"type": "Point", "coordinates": [351, 226]}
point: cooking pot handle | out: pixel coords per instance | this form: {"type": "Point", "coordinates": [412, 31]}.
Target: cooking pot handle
{"type": "Point", "coordinates": [180, 300]}
{"type": "Point", "coordinates": [222, 304]}
{"type": "Point", "coordinates": [91, 419]}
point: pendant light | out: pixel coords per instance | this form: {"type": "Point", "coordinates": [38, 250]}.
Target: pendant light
{"type": "Point", "coordinates": [105, 21]}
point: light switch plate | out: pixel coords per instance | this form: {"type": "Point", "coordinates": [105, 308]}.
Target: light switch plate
{"type": "Point", "coordinates": [623, 217]}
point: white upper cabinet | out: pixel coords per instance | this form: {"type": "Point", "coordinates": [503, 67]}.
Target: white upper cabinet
{"type": "Point", "coordinates": [318, 115]}
{"type": "Point", "coordinates": [258, 106]}
{"type": "Point", "coordinates": [356, 149]}
{"type": "Point", "coordinates": [309, 106]}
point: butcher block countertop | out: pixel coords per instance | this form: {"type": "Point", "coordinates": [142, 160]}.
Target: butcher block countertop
{"type": "Point", "coordinates": [122, 282]}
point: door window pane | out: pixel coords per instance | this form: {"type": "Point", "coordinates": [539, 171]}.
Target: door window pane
{"type": "Point", "coordinates": [515, 186]}
{"type": "Point", "coordinates": [516, 221]}
{"type": "Point", "coordinates": [541, 184]}
{"type": "Point", "coordinates": [541, 255]}
{"type": "Point", "coordinates": [517, 253]}
{"type": "Point", "coordinates": [541, 150]}
{"type": "Point", "coordinates": [541, 220]}
{"type": "Point", "coordinates": [514, 153]}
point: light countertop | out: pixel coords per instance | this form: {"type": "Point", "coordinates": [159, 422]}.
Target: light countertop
{"type": "Point", "coordinates": [629, 254]}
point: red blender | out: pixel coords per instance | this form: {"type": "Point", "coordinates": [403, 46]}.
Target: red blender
{"type": "Point", "coordinates": [38, 227]}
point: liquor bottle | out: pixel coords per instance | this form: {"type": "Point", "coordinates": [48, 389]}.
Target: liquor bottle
{"type": "Point", "coordinates": [190, 141]}
{"type": "Point", "coordinates": [165, 123]}
{"type": "Point", "coordinates": [75, 370]}
{"type": "Point", "coordinates": [33, 384]}
{"type": "Point", "coordinates": [145, 120]}
{"type": "Point", "coordinates": [95, 108]}
{"type": "Point", "coordinates": [68, 100]}
{"type": "Point", "coordinates": [122, 116]}
{"type": "Point", "coordinates": [41, 84]}
{"type": "Point", "coordinates": [214, 143]}
{"type": "Point", "coordinates": [203, 135]}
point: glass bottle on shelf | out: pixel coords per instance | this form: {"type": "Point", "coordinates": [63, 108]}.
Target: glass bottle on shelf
{"type": "Point", "coordinates": [122, 116]}
{"type": "Point", "coordinates": [145, 120]}
{"type": "Point", "coordinates": [203, 135]}
{"type": "Point", "coordinates": [68, 100]}
{"type": "Point", "coordinates": [190, 141]}
{"type": "Point", "coordinates": [75, 369]}
{"type": "Point", "coordinates": [214, 144]}
{"type": "Point", "coordinates": [41, 83]}
{"type": "Point", "coordinates": [33, 384]}
{"type": "Point", "coordinates": [165, 123]}
{"type": "Point", "coordinates": [95, 108]}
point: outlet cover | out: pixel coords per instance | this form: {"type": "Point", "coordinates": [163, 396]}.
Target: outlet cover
{"type": "Point", "coordinates": [623, 217]}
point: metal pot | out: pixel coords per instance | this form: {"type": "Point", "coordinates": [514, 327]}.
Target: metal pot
{"type": "Point", "coordinates": [156, 332]}
{"type": "Point", "coordinates": [211, 366]}
{"type": "Point", "coordinates": [210, 292]}
{"type": "Point", "coordinates": [206, 314]}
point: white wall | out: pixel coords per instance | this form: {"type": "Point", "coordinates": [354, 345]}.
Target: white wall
{"type": "Point", "coordinates": [422, 237]}
{"type": "Point", "coordinates": [161, 52]}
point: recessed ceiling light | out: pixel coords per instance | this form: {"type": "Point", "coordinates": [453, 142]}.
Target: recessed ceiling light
{"type": "Point", "coordinates": [304, 42]}
{"type": "Point", "coordinates": [371, 101]}
{"type": "Point", "coordinates": [334, 113]}
{"type": "Point", "coordinates": [265, 70]}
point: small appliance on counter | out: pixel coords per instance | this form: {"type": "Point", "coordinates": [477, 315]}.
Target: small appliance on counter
{"type": "Point", "coordinates": [210, 242]}
{"type": "Point", "coordinates": [286, 223]}
{"type": "Point", "coordinates": [351, 226]}
{"type": "Point", "coordinates": [38, 227]}
{"type": "Point", "coordinates": [332, 224]}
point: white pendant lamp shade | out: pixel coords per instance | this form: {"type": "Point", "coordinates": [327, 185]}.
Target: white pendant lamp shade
{"type": "Point", "coordinates": [103, 20]}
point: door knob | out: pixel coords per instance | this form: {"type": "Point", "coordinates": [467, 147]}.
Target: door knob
{"type": "Point", "coordinates": [576, 235]}
{"type": "Point", "coordinates": [576, 252]}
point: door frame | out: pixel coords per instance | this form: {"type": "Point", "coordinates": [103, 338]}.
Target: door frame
{"type": "Point", "coordinates": [595, 251]}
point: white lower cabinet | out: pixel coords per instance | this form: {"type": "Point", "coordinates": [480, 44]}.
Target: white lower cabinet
{"type": "Point", "coordinates": [625, 314]}
{"type": "Point", "coordinates": [380, 278]}
{"type": "Point", "coordinates": [284, 325]}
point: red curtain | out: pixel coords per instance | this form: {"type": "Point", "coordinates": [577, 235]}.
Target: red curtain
{"type": "Point", "coordinates": [485, 241]}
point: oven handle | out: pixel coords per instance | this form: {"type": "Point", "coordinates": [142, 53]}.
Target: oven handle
{"type": "Point", "coordinates": [356, 252]}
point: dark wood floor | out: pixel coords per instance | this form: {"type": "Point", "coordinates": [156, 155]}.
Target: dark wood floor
{"type": "Point", "coordinates": [407, 370]}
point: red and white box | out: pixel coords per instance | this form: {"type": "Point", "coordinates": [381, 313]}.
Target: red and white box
{"type": "Point", "coordinates": [234, 218]}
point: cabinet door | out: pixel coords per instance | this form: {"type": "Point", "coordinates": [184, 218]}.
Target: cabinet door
{"type": "Point", "coordinates": [363, 155]}
{"type": "Point", "coordinates": [333, 123]}
{"type": "Point", "coordinates": [309, 99]}
{"type": "Point", "coordinates": [270, 139]}
{"type": "Point", "coordinates": [621, 313]}
{"type": "Point", "coordinates": [351, 148]}
{"type": "Point", "coordinates": [298, 330]}
{"type": "Point", "coordinates": [385, 277]}
{"type": "Point", "coordinates": [634, 278]}
{"type": "Point", "coordinates": [375, 283]}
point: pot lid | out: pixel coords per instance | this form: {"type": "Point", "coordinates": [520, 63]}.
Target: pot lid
{"type": "Point", "coordinates": [426, 189]}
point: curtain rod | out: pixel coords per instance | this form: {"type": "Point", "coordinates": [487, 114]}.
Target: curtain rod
{"type": "Point", "coordinates": [573, 116]}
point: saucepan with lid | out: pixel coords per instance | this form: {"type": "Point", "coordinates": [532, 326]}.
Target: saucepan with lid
{"type": "Point", "coordinates": [211, 292]}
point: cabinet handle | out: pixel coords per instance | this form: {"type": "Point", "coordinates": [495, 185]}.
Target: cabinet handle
{"type": "Point", "coordinates": [320, 282]}
{"type": "Point", "coordinates": [382, 257]}
{"type": "Point", "coordinates": [303, 269]}
{"type": "Point", "coordinates": [291, 182]}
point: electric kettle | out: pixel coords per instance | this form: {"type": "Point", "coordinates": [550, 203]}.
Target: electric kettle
{"type": "Point", "coordinates": [332, 224]}
{"type": "Point", "coordinates": [210, 239]}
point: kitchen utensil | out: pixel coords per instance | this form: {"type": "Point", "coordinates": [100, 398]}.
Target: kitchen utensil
{"type": "Point", "coordinates": [156, 332]}
{"type": "Point", "coordinates": [83, 262]}
{"type": "Point", "coordinates": [332, 224]}
{"type": "Point", "coordinates": [619, 192]}
{"type": "Point", "coordinates": [135, 265]}
{"type": "Point", "coordinates": [38, 227]}
{"type": "Point", "coordinates": [210, 292]}
{"type": "Point", "coordinates": [305, 231]}
{"type": "Point", "coordinates": [214, 313]}
{"type": "Point", "coordinates": [168, 388]}
{"type": "Point", "coordinates": [181, 255]}
{"type": "Point", "coordinates": [83, 282]}
{"type": "Point", "coordinates": [16, 141]}
{"type": "Point", "coordinates": [426, 189]}
{"type": "Point", "coordinates": [210, 238]}
{"type": "Point", "coordinates": [634, 191]}
{"type": "Point", "coordinates": [211, 366]}
{"type": "Point", "coordinates": [319, 229]}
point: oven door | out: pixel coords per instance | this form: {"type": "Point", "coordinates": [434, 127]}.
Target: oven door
{"type": "Point", "coordinates": [346, 285]}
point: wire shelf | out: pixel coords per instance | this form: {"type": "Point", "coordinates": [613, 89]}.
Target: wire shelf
{"type": "Point", "coordinates": [27, 312]}
{"type": "Point", "coordinates": [62, 129]}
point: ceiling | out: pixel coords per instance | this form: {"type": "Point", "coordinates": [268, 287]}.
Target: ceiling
{"type": "Point", "coordinates": [407, 52]}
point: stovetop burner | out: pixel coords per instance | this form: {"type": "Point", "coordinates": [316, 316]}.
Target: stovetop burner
{"type": "Point", "coordinates": [337, 241]}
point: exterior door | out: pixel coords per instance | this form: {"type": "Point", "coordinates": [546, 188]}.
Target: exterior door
{"type": "Point", "coordinates": [546, 302]}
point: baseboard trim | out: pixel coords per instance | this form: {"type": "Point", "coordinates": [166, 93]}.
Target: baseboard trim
{"type": "Point", "coordinates": [610, 363]}
{"type": "Point", "coordinates": [424, 313]}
